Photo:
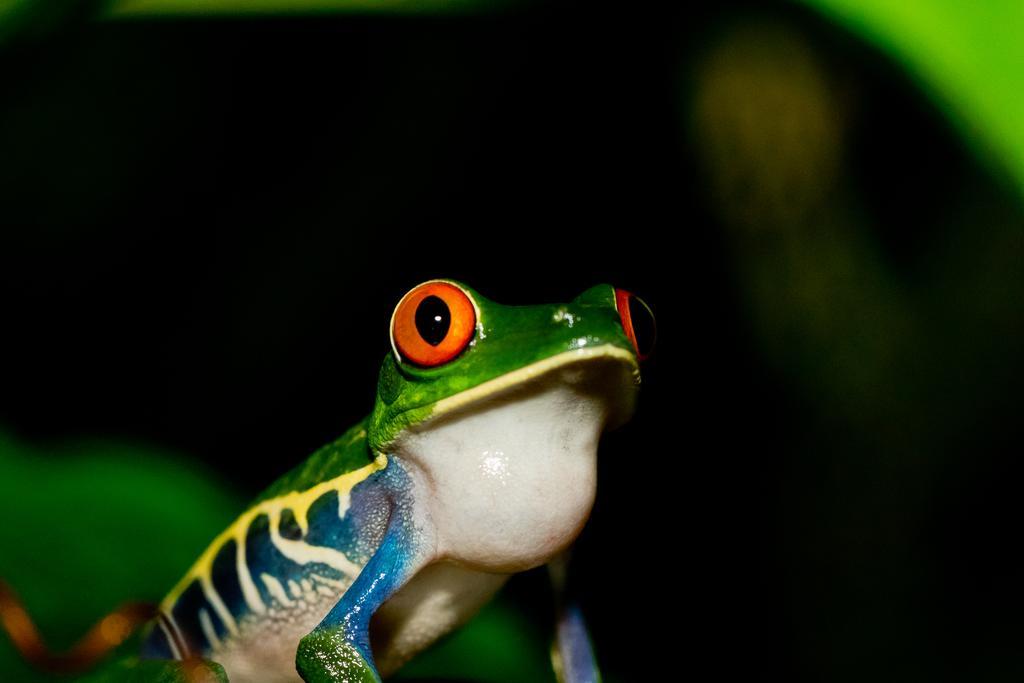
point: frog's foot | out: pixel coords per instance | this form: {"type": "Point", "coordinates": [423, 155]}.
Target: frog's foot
{"type": "Point", "coordinates": [327, 656]}
{"type": "Point", "coordinates": [136, 670]}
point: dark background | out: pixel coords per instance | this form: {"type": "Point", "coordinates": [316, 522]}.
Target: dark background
{"type": "Point", "coordinates": [206, 225]}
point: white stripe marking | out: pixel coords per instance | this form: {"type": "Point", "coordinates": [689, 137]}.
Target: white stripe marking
{"type": "Point", "coordinates": [333, 583]}
{"type": "Point", "coordinates": [213, 598]}
{"type": "Point", "coordinates": [207, 626]}
{"type": "Point", "coordinates": [276, 589]}
{"type": "Point", "coordinates": [304, 553]}
{"type": "Point", "coordinates": [249, 590]}
{"type": "Point", "coordinates": [170, 638]}
{"type": "Point", "coordinates": [181, 642]}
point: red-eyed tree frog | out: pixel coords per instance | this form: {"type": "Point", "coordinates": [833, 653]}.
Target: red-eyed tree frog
{"type": "Point", "coordinates": [477, 461]}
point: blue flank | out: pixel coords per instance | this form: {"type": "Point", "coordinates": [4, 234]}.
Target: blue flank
{"type": "Point", "coordinates": [357, 535]}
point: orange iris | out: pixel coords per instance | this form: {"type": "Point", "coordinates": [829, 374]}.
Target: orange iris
{"type": "Point", "coordinates": [433, 324]}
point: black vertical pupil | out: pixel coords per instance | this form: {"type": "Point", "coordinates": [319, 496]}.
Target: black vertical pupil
{"type": "Point", "coordinates": [643, 325]}
{"type": "Point", "coordinates": [433, 318]}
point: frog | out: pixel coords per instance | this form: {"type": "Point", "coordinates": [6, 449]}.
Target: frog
{"type": "Point", "coordinates": [477, 461]}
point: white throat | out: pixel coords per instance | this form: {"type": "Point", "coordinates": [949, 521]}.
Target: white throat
{"type": "Point", "coordinates": [511, 479]}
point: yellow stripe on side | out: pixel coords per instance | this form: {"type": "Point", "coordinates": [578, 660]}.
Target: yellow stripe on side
{"type": "Point", "coordinates": [299, 502]}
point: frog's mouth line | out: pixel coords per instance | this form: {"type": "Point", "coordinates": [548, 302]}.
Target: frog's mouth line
{"type": "Point", "coordinates": [536, 371]}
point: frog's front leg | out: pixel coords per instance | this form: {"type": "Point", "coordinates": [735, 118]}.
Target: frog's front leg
{"type": "Point", "coordinates": [338, 649]}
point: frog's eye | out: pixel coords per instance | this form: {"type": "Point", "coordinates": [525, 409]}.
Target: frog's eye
{"type": "Point", "coordinates": [637, 321]}
{"type": "Point", "coordinates": [433, 324]}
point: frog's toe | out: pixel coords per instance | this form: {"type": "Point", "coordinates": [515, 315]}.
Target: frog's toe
{"type": "Point", "coordinates": [326, 656]}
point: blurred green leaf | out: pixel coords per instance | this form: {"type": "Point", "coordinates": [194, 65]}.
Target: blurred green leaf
{"type": "Point", "coordinates": [92, 525]}
{"type": "Point", "coordinates": [968, 55]}
{"type": "Point", "coordinates": [21, 19]}
{"type": "Point", "coordinates": [121, 8]}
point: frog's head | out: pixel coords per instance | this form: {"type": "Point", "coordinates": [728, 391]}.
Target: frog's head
{"type": "Point", "coordinates": [500, 408]}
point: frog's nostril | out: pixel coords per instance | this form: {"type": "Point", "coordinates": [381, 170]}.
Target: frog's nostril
{"type": "Point", "coordinates": [637, 321]}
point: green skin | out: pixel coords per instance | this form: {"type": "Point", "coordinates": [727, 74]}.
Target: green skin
{"type": "Point", "coordinates": [507, 339]}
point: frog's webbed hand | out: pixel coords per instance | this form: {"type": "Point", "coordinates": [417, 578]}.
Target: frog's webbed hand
{"type": "Point", "coordinates": [572, 655]}
{"type": "Point", "coordinates": [338, 649]}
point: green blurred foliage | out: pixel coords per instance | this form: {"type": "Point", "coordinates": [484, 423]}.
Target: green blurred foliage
{"type": "Point", "coordinates": [969, 55]}
{"type": "Point", "coordinates": [771, 119]}
{"type": "Point", "coordinates": [94, 524]}
{"type": "Point", "coordinates": [36, 18]}
{"type": "Point", "coordinates": [893, 320]}
{"type": "Point", "coordinates": [141, 8]}
{"type": "Point", "coordinates": [134, 670]}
